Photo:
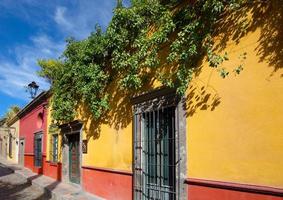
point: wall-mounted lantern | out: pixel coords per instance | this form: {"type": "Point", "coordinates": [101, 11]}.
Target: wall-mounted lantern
{"type": "Point", "coordinates": [32, 89]}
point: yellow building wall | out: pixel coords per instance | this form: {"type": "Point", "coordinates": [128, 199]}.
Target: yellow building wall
{"type": "Point", "coordinates": [234, 125]}
{"type": "Point", "coordinates": [113, 149]}
{"type": "Point", "coordinates": [48, 144]}
{"type": "Point", "coordinates": [110, 138]}
{"type": "Point", "coordinates": [49, 134]}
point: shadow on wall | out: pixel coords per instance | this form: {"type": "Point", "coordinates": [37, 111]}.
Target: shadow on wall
{"type": "Point", "coordinates": [202, 95]}
{"type": "Point", "coordinates": [119, 116]}
{"type": "Point", "coordinates": [267, 15]}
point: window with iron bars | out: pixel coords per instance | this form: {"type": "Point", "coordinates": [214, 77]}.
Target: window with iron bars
{"type": "Point", "coordinates": [53, 150]}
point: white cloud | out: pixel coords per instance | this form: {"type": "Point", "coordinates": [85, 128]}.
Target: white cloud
{"type": "Point", "coordinates": [80, 19]}
{"type": "Point", "coordinates": [15, 75]}
{"type": "Point", "coordinates": [60, 18]}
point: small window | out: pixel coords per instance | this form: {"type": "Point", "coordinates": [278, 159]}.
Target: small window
{"type": "Point", "coordinates": [54, 148]}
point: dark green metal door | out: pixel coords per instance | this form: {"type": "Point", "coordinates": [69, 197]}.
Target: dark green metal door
{"type": "Point", "coordinates": [74, 158]}
{"type": "Point", "coordinates": [38, 150]}
{"type": "Point", "coordinates": [155, 176]}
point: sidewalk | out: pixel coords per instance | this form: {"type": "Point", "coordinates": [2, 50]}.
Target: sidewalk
{"type": "Point", "coordinates": [54, 189]}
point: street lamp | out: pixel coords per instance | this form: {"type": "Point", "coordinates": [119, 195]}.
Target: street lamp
{"type": "Point", "coordinates": [32, 88]}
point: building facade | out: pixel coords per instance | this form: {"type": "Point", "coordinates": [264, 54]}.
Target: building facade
{"type": "Point", "coordinates": [221, 140]}
{"type": "Point", "coordinates": [13, 139]}
{"type": "Point", "coordinates": [9, 139]}
{"type": "Point", "coordinates": [3, 139]}
{"type": "Point", "coordinates": [32, 137]}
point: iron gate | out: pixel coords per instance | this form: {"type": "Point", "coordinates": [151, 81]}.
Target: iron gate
{"type": "Point", "coordinates": [155, 155]}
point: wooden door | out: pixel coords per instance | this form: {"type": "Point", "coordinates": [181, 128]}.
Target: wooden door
{"type": "Point", "coordinates": [74, 158]}
{"type": "Point", "coordinates": [22, 152]}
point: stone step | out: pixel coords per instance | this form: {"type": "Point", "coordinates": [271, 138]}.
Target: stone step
{"type": "Point", "coordinates": [54, 189]}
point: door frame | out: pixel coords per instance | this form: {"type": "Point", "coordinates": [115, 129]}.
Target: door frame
{"type": "Point", "coordinates": [155, 100]}
{"type": "Point", "coordinates": [38, 134]}
{"type": "Point", "coordinates": [74, 127]}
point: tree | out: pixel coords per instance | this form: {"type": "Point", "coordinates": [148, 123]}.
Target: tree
{"type": "Point", "coordinates": [11, 112]}
{"type": "Point", "coordinates": [129, 51]}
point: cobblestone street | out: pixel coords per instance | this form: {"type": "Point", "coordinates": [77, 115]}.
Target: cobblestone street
{"type": "Point", "coordinates": [13, 187]}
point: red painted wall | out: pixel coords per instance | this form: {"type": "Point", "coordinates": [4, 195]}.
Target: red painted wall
{"type": "Point", "coordinates": [29, 160]}
{"type": "Point", "coordinates": [109, 185]}
{"type": "Point", "coordinates": [53, 170]}
{"type": "Point", "coordinates": [196, 192]}
{"type": "Point", "coordinates": [29, 125]}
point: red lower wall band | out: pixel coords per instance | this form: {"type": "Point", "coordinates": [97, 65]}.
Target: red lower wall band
{"type": "Point", "coordinates": [199, 189]}
{"type": "Point", "coordinates": [29, 161]}
{"type": "Point", "coordinates": [53, 170]}
{"type": "Point", "coordinates": [107, 183]}
{"type": "Point", "coordinates": [113, 184]}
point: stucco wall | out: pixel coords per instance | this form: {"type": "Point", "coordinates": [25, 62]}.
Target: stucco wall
{"type": "Point", "coordinates": [15, 142]}
{"type": "Point", "coordinates": [110, 139]}
{"type": "Point", "coordinates": [234, 125]}
{"type": "Point", "coordinates": [29, 126]}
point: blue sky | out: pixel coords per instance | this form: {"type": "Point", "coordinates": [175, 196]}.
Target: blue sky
{"type": "Point", "coordinates": [33, 29]}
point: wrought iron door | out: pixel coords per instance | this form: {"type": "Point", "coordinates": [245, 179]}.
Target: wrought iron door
{"type": "Point", "coordinates": [74, 158]}
{"type": "Point", "coordinates": [155, 168]}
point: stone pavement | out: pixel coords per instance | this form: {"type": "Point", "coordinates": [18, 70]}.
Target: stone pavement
{"type": "Point", "coordinates": [39, 187]}
{"type": "Point", "coordinates": [14, 187]}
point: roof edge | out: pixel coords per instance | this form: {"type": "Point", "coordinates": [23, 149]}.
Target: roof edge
{"type": "Point", "coordinates": [41, 97]}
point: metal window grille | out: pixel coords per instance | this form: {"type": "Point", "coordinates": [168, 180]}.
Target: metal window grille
{"type": "Point", "coordinates": [155, 155]}
{"type": "Point", "coordinates": [38, 150]}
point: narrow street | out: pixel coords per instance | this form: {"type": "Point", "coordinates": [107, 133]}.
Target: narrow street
{"type": "Point", "coordinates": [13, 187]}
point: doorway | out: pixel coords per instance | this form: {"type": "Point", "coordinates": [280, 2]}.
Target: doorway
{"type": "Point", "coordinates": [71, 153]}
{"type": "Point", "coordinates": [38, 149]}
{"type": "Point", "coordinates": [159, 136]}
{"type": "Point", "coordinates": [74, 158]}
{"type": "Point", "coordinates": [22, 151]}
{"type": "Point", "coordinates": [158, 162]}
{"type": "Point", "coordinates": [5, 149]}
{"type": "Point", "coordinates": [1, 147]}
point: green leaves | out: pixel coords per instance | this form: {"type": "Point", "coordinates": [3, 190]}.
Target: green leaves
{"type": "Point", "coordinates": [130, 50]}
